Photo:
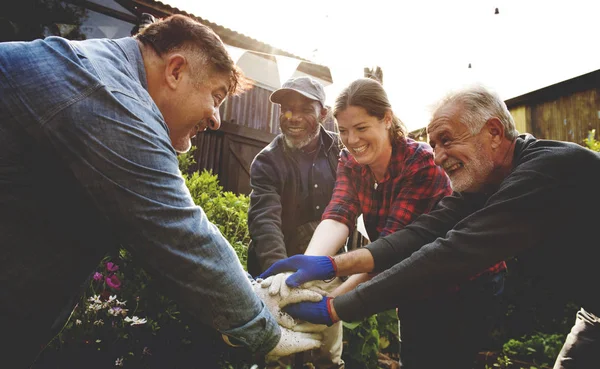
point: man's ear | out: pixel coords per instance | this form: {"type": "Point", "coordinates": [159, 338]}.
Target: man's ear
{"type": "Point", "coordinates": [495, 131]}
{"type": "Point", "coordinates": [175, 66]}
{"type": "Point", "coordinates": [323, 115]}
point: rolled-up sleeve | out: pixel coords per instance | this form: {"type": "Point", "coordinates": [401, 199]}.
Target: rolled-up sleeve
{"type": "Point", "coordinates": [118, 148]}
{"type": "Point", "coordinates": [344, 206]}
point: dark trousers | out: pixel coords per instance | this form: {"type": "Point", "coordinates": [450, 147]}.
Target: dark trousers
{"type": "Point", "coordinates": [447, 331]}
{"type": "Point", "coordinates": [582, 346]}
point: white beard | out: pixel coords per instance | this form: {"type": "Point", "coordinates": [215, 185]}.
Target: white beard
{"type": "Point", "coordinates": [472, 177]}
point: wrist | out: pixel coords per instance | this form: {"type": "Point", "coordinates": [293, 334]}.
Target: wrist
{"type": "Point", "coordinates": [334, 266]}
{"type": "Point", "coordinates": [331, 310]}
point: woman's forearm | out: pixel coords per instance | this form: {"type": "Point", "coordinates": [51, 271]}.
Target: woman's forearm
{"type": "Point", "coordinates": [328, 238]}
{"type": "Point", "coordinates": [350, 284]}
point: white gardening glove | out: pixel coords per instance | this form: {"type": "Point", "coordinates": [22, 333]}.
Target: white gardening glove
{"type": "Point", "coordinates": [320, 287]}
{"type": "Point", "coordinates": [276, 284]}
{"type": "Point", "coordinates": [295, 295]}
{"type": "Point", "coordinates": [292, 342]}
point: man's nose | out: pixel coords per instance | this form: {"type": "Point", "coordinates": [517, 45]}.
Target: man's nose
{"type": "Point", "coordinates": [214, 122]}
{"type": "Point", "coordinates": [439, 155]}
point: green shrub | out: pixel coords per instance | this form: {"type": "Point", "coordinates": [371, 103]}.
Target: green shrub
{"type": "Point", "coordinates": [536, 351]}
{"type": "Point", "coordinates": [228, 211]}
{"type": "Point", "coordinates": [591, 141]}
{"type": "Point", "coordinates": [364, 340]}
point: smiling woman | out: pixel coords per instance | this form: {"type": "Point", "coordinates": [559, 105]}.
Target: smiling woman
{"type": "Point", "coordinates": [387, 177]}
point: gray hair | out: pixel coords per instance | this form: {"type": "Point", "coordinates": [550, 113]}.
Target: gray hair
{"type": "Point", "coordinates": [479, 105]}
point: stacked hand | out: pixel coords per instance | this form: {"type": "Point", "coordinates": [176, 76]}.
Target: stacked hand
{"type": "Point", "coordinates": [274, 302]}
{"type": "Point", "coordinates": [312, 312]}
{"type": "Point", "coordinates": [295, 337]}
{"type": "Point", "coordinates": [306, 268]}
{"type": "Point", "coordinates": [292, 342]}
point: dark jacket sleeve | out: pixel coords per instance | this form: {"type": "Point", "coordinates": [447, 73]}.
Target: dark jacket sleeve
{"type": "Point", "coordinates": [509, 223]}
{"type": "Point", "coordinates": [264, 214]}
{"type": "Point", "coordinates": [388, 251]}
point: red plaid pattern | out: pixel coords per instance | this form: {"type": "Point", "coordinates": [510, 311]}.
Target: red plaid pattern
{"type": "Point", "coordinates": [412, 185]}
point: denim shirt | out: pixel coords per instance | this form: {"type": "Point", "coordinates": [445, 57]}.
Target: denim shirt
{"type": "Point", "coordinates": [86, 165]}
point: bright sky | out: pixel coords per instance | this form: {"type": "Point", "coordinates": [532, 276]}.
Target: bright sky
{"type": "Point", "coordinates": [424, 47]}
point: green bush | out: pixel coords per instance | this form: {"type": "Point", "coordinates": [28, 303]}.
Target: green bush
{"type": "Point", "coordinates": [537, 351]}
{"type": "Point", "coordinates": [591, 141]}
{"type": "Point", "coordinates": [364, 340]}
{"type": "Point", "coordinates": [228, 211]}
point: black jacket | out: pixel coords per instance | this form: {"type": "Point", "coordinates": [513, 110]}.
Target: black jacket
{"type": "Point", "coordinates": [274, 200]}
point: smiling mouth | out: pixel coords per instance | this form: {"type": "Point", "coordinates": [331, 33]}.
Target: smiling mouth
{"type": "Point", "coordinates": [359, 150]}
{"type": "Point", "coordinates": [453, 167]}
{"type": "Point", "coordinates": [200, 127]}
{"type": "Point", "coordinates": [295, 129]}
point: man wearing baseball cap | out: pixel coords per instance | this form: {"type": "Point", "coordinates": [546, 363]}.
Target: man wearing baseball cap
{"type": "Point", "coordinates": [292, 180]}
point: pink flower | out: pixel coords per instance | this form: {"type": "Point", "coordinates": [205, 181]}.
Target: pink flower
{"type": "Point", "coordinates": [98, 276]}
{"type": "Point", "coordinates": [113, 282]}
{"type": "Point", "coordinates": [112, 267]}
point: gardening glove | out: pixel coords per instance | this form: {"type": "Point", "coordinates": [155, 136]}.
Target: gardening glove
{"type": "Point", "coordinates": [306, 268]}
{"type": "Point", "coordinates": [277, 285]}
{"type": "Point", "coordinates": [292, 342]}
{"type": "Point", "coordinates": [284, 319]}
{"type": "Point", "coordinates": [313, 312]}
{"type": "Point", "coordinates": [319, 287]}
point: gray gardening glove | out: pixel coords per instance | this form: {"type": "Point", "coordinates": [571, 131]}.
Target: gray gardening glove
{"type": "Point", "coordinates": [295, 295]}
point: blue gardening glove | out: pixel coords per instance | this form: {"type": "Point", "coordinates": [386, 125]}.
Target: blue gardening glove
{"type": "Point", "coordinates": [306, 268]}
{"type": "Point", "coordinates": [312, 312]}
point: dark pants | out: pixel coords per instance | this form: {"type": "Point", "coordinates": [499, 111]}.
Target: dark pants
{"type": "Point", "coordinates": [447, 331]}
{"type": "Point", "coordinates": [582, 346]}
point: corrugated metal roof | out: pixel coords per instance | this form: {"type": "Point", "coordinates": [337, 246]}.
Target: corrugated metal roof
{"type": "Point", "coordinates": [229, 36]}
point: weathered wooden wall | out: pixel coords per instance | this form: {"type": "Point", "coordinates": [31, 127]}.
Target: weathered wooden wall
{"type": "Point", "coordinates": [566, 111]}
{"type": "Point", "coordinates": [566, 118]}
{"type": "Point", "coordinates": [229, 152]}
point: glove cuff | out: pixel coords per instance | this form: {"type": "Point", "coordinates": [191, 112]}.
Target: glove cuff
{"type": "Point", "coordinates": [334, 266]}
{"type": "Point", "coordinates": [329, 302]}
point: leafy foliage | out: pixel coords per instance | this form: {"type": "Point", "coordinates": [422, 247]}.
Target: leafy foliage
{"type": "Point", "coordinates": [591, 141]}
{"type": "Point", "coordinates": [364, 340]}
{"type": "Point", "coordinates": [228, 211]}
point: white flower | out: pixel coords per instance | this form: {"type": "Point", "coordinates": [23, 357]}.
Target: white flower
{"type": "Point", "coordinates": [121, 303]}
{"type": "Point", "coordinates": [116, 311]}
{"type": "Point", "coordinates": [95, 299]}
{"type": "Point", "coordinates": [77, 322]}
{"type": "Point", "coordinates": [119, 361]}
{"type": "Point", "coordinates": [99, 322]}
{"type": "Point", "coordinates": [111, 298]}
{"type": "Point", "coordinates": [135, 320]}
{"type": "Point", "coordinates": [94, 307]}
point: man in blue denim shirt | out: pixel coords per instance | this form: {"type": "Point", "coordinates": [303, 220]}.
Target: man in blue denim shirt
{"type": "Point", "coordinates": [89, 133]}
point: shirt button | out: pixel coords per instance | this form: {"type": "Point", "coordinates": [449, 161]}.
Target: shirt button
{"type": "Point", "coordinates": [317, 207]}
{"type": "Point", "coordinates": [316, 185]}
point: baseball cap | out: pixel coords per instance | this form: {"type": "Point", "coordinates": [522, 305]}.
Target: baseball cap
{"type": "Point", "coordinates": [305, 86]}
